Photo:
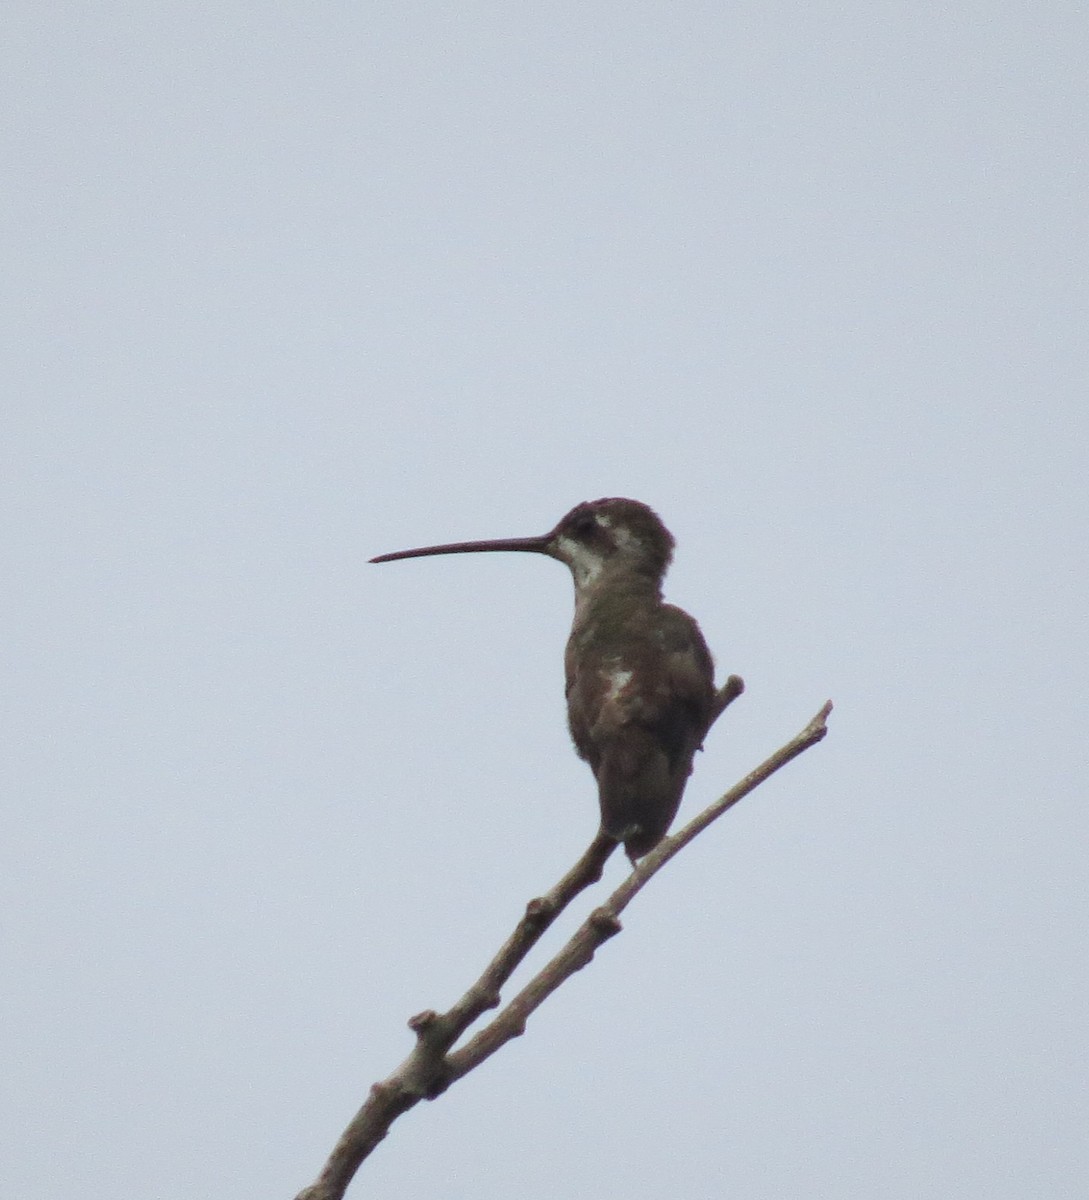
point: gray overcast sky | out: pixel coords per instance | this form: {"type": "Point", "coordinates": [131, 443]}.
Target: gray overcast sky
{"type": "Point", "coordinates": [287, 286]}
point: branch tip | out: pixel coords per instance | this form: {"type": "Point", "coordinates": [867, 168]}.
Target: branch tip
{"type": "Point", "coordinates": [820, 720]}
{"type": "Point", "coordinates": [725, 696]}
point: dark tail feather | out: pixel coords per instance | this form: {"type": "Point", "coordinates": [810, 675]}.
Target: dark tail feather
{"type": "Point", "coordinates": [639, 791]}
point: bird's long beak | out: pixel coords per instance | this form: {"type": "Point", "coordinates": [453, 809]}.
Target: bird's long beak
{"type": "Point", "coordinates": [532, 545]}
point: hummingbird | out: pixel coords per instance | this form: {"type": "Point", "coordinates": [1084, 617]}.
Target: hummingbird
{"type": "Point", "coordinates": [639, 676]}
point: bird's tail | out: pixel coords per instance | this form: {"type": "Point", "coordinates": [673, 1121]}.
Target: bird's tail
{"type": "Point", "coordinates": [639, 791]}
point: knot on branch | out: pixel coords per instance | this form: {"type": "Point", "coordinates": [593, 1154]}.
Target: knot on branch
{"type": "Point", "coordinates": [394, 1095]}
{"type": "Point", "coordinates": [605, 923]}
{"type": "Point", "coordinates": [484, 998]}
{"type": "Point", "coordinates": [423, 1022]}
{"type": "Point", "coordinates": [539, 912]}
{"type": "Point", "coordinates": [435, 1032]}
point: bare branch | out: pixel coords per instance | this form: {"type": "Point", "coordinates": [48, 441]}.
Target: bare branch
{"type": "Point", "coordinates": [604, 922]}
{"type": "Point", "coordinates": [425, 1074]}
{"type": "Point", "coordinates": [433, 1066]}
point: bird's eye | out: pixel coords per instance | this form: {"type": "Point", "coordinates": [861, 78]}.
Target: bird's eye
{"type": "Point", "coordinates": [583, 523]}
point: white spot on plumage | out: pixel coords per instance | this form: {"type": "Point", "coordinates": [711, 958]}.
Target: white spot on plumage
{"type": "Point", "coordinates": [618, 681]}
{"type": "Point", "coordinates": [586, 564]}
{"type": "Point", "coordinates": [624, 539]}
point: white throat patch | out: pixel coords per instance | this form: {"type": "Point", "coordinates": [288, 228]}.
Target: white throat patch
{"type": "Point", "coordinates": [586, 565]}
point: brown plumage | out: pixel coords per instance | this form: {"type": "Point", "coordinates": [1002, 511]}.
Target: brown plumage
{"type": "Point", "coordinates": [640, 679]}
